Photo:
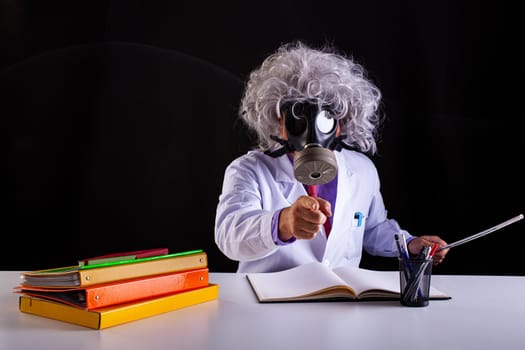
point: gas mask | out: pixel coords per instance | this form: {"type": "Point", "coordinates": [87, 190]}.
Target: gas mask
{"type": "Point", "coordinates": [311, 131]}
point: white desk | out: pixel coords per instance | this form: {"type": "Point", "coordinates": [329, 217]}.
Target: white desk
{"type": "Point", "coordinates": [486, 312]}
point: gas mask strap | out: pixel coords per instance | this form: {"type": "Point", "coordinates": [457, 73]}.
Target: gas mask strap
{"type": "Point", "coordinates": [287, 148]}
{"type": "Point", "coordinates": [339, 144]}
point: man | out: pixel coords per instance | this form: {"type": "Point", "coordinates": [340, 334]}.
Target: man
{"type": "Point", "coordinates": [309, 192]}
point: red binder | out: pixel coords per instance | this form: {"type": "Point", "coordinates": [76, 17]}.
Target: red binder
{"type": "Point", "coordinates": [137, 254]}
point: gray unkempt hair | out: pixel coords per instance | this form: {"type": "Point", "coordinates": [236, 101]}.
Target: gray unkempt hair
{"type": "Point", "coordinates": [296, 72]}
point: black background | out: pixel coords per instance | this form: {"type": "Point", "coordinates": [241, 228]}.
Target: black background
{"type": "Point", "coordinates": [450, 155]}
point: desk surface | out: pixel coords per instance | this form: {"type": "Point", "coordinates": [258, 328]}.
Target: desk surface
{"type": "Point", "coordinates": [485, 312]}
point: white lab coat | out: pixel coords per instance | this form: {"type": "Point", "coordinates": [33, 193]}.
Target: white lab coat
{"type": "Point", "coordinates": [256, 185]}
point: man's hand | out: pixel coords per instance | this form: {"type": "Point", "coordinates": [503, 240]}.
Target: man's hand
{"type": "Point", "coordinates": [415, 246]}
{"type": "Point", "coordinates": [304, 218]}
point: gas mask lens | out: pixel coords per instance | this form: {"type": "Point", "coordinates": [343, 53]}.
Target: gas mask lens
{"type": "Point", "coordinates": [323, 123]}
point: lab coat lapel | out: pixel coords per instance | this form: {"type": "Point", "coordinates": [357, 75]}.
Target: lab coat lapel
{"type": "Point", "coordinates": [290, 187]}
{"type": "Point", "coordinates": [342, 200]}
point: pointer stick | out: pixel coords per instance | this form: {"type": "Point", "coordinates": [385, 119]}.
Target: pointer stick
{"type": "Point", "coordinates": [483, 233]}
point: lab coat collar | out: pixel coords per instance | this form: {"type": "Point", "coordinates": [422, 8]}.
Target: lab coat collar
{"type": "Point", "coordinates": [284, 162]}
{"type": "Point", "coordinates": [341, 164]}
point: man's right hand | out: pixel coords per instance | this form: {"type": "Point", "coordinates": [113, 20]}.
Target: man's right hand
{"type": "Point", "coordinates": [303, 220]}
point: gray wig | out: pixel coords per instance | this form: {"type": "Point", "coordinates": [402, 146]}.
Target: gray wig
{"type": "Point", "coordinates": [296, 72]}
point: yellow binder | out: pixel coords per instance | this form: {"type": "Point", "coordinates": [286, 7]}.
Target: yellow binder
{"type": "Point", "coordinates": [116, 315]}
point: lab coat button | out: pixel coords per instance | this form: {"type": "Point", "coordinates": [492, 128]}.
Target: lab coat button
{"type": "Point", "coordinates": [327, 262]}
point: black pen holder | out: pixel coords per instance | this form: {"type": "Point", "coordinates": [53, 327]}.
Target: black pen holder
{"type": "Point", "coordinates": [414, 278]}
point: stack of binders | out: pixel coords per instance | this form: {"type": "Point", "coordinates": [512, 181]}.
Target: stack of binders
{"type": "Point", "coordinates": [118, 288]}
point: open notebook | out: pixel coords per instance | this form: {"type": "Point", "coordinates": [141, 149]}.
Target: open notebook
{"type": "Point", "coordinates": [316, 281]}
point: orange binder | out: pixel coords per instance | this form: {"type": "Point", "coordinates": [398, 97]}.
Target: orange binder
{"type": "Point", "coordinates": [108, 294]}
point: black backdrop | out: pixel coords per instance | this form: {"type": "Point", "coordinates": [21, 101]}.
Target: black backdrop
{"type": "Point", "coordinates": [450, 157]}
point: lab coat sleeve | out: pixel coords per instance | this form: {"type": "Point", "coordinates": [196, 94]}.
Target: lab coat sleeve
{"type": "Point", "coordinates": [380, 230]}
{"type": "Point", "coordinates": [242, 227]}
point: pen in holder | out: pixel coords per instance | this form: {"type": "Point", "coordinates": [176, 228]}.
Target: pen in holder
{"type": "Point", "coordinates": [414, 277]}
